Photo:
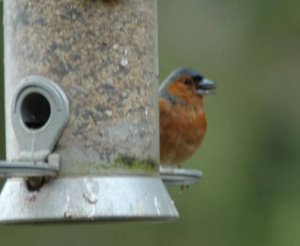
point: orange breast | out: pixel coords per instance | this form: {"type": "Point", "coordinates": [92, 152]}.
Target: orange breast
{"type": "Point", "coordinates": [182, 128]}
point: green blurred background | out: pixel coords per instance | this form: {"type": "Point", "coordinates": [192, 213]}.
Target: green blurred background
{"type": "Point", "coordinates": [250, 194]}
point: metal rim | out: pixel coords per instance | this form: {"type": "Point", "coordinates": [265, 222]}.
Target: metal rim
{"type": "Point", "coordinates": [26, 169]}
{"type": "Point", "coordinates": [179, 176]}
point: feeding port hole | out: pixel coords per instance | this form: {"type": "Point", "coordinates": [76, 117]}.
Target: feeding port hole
{"type": "Point", "coordinates": [35, 111]}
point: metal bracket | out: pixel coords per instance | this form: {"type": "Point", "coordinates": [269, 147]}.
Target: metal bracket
{"type": "Point", "coordinates": [178, 176]}
{"type": "Point", "coordinates": [40, 112]}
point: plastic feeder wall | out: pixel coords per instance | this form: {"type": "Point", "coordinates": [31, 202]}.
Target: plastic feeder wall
{"type": "Point", "coordinates": [81, 88]}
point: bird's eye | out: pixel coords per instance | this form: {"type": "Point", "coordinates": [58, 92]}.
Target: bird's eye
{"type": "Point", "coordinates": [187, 81]}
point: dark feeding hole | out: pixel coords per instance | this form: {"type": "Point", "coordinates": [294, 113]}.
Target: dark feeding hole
{"type": "Point", "coordinates": [35, 110]}
{"type": "Point", "coordinates": [35, 184]}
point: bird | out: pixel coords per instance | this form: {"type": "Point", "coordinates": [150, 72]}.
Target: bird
{"type": "Point", "coordinates": [182, 117]}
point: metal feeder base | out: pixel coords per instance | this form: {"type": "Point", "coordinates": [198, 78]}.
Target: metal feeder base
{"type": "Point", "coordinates": [87, 199]}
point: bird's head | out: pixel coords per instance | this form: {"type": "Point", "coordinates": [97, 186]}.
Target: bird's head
{"type": "Point", "coordinates": [186, 85]}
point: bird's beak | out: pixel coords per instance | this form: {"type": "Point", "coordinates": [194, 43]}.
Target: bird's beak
{"type": "Point", "coordinates": [205, 87]}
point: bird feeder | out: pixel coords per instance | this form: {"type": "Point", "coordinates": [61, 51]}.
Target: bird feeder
{"type": "Point", "coordinates": [81, 99]}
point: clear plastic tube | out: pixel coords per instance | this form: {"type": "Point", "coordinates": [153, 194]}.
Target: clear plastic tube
{"type": "Point", "coordinates": [104, 55]}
